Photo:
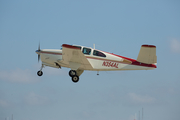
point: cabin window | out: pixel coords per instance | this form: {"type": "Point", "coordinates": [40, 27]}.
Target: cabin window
{"type": "Point", "coordinates": [98, 53]}
{"type": "Point", "coordinates": [86, 51]}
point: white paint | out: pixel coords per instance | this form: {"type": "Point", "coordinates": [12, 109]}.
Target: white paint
{"type": "Point", "coordinates": [75, 59]}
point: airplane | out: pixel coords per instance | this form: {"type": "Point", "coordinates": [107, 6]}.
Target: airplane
{"type": "Point", "coordinates": [79, 58]}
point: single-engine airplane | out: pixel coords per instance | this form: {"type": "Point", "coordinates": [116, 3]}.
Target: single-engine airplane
{"type": "Point", "coordinates": [80, 58]}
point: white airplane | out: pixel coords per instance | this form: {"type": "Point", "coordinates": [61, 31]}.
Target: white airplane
{"type": "Point", "coordinates": [80, 58]}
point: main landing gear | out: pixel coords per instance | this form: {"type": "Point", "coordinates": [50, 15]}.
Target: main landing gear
{"type": "Point", "coordinates": [75, 78]}
{"type": "Point", "coordinates": [74, 74]}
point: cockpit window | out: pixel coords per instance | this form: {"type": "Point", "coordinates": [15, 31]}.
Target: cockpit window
{"type": "Point", "coordinates": [98, 53]}
{"type": "Point", "coordinates": [86, 51]}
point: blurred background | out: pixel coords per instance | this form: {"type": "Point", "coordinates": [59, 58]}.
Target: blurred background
{"type": "Point", "coordinates": [115, 26]}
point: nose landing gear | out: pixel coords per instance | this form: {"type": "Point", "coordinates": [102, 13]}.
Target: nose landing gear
{"type": "Point", "coordinates": [40, 73]}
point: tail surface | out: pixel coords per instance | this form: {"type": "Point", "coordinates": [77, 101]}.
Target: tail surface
{"type": "Point", "coordinates": [147, 54]}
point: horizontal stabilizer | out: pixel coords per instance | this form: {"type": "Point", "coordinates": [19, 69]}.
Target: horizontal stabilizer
{"type": "Point", "coordinates": [147, 54]}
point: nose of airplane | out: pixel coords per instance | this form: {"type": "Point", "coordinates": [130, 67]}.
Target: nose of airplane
{"type": "Point", "coordinates": [38, 52]}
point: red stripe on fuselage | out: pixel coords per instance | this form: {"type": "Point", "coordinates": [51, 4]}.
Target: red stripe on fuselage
{"type": "Point", "coordinates": [134, 62]}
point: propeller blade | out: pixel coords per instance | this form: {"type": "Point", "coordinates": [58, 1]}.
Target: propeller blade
{"type": "Point", "coordinates": [38, 52]}
{"type": "Point", "coordinates": [38, 58]}
{"type": "Point", "coordinates": [39, 47]}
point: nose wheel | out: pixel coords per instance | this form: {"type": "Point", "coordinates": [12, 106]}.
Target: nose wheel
{"type": "Point", "coordinates": [40, 73]}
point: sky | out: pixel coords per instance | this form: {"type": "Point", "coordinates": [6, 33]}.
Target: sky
{"type": "Point", "coordinates": [116, 26]}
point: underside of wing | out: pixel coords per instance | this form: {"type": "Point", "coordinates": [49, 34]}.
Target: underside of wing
{"type": "Point", "coordinates": [73, 56]}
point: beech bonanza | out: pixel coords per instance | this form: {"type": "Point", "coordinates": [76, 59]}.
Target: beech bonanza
{"type": "Point", "coordinates": [80, 58]}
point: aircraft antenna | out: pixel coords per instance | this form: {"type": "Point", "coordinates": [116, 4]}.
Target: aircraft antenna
{"type": "Point", "coordinates": [94, 46]}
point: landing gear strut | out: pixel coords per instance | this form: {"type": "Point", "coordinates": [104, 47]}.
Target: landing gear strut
{"type": "Point", "coordinates": [75, 78]}
{"type": "Point", "coordinates": [40, 73]}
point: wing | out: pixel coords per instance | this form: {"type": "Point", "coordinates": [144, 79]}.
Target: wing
{"type": "Point", "coordinates": [74, 57]}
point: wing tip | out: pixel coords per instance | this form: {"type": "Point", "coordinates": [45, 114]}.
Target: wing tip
{"type": "Point", "coordinates": [70, 46]}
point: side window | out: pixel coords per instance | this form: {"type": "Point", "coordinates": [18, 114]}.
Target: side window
{"type": "Point", "coordinates": [86, 51]}
{"type": "Point", "coordinates": [98, 53]}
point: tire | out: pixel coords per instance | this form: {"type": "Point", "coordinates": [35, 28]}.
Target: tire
{"type": "Point", "coordinates": [75, 78]}
{"type": "Point", "coordinates": [72, 73]}
{"type": "Point", "coordinates": [39, 73]}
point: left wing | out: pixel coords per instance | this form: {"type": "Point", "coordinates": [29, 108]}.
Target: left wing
{"type": "Point", "coordinates": [74, 57]}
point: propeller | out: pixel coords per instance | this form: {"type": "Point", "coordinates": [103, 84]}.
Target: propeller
{"type": "Point", "coordinates": [38, 52]}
